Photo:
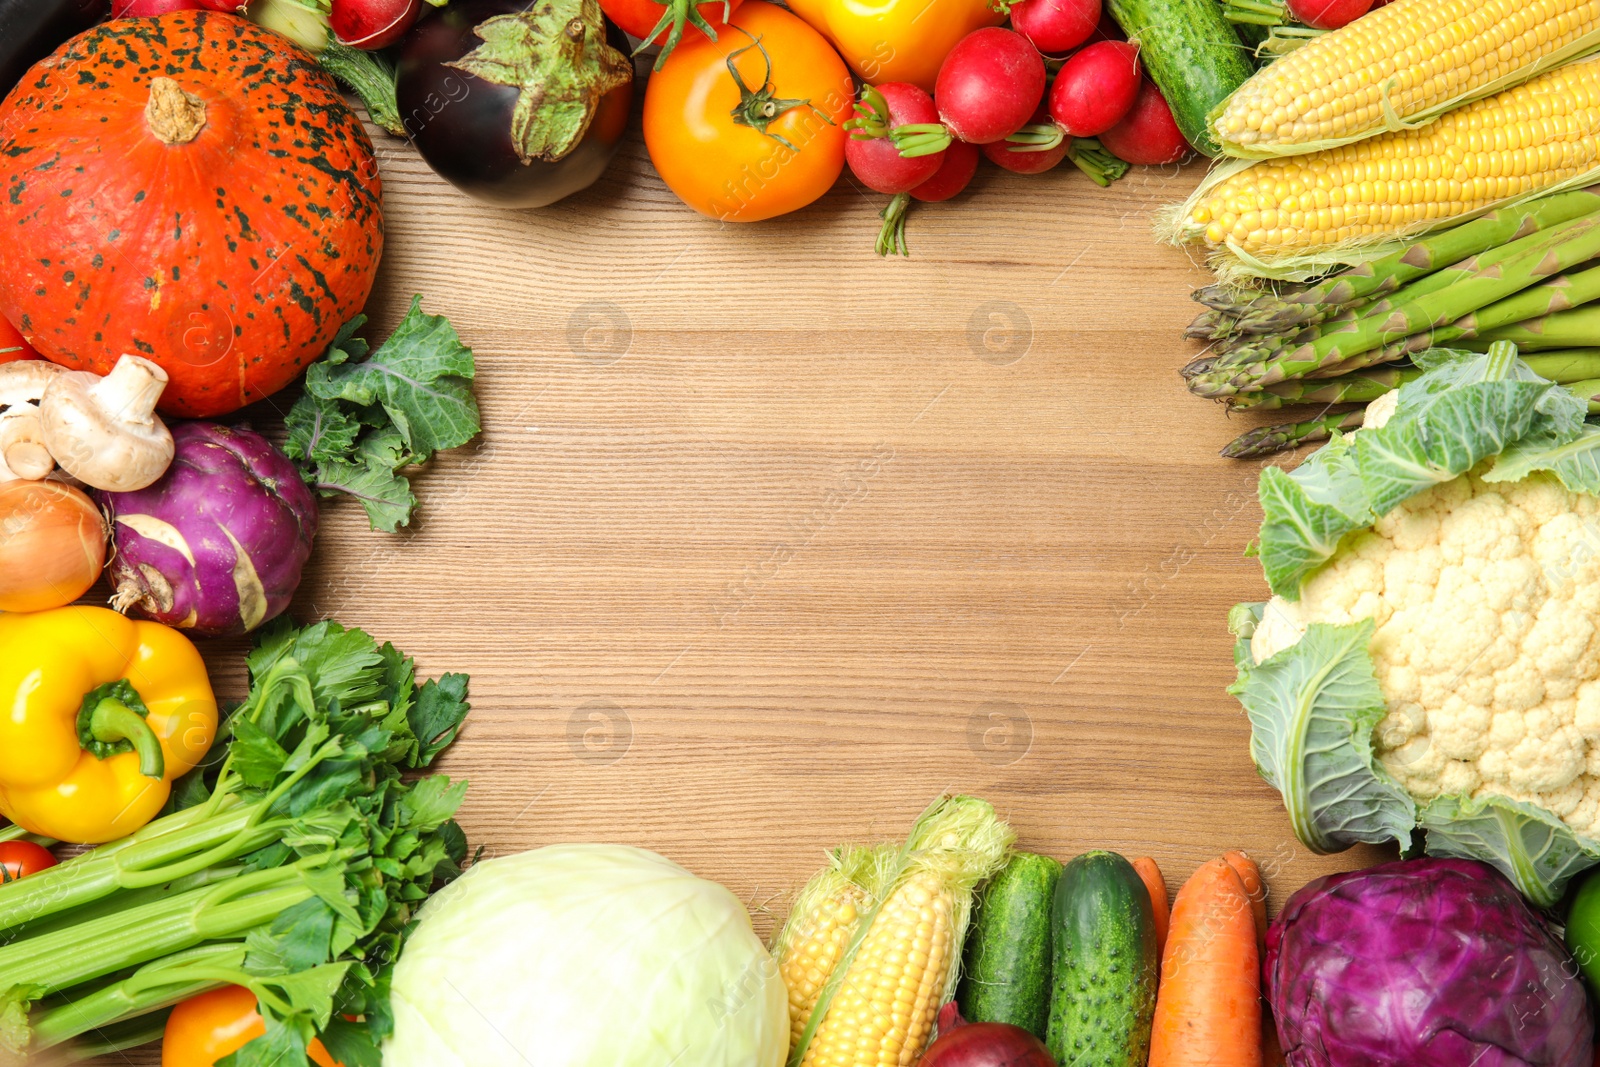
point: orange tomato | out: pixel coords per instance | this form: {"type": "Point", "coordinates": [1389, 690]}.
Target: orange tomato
{"type": "Point", "coordinates": [204, 1029]}
{"type": "Point", "coordinates": [784, 149]}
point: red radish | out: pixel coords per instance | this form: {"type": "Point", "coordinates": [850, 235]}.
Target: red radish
{"type": "Point", "coordinates": [989, 85]}
{"type": "Point", "coordinates": [1034, 149]}
{"type": "Point", "coordinates": [872, 155]}
{"type": "Point", "coordinates": [1096, 89]}
{"type": "Point", "coordinates": [230, 6]}
{"type": "Point", "coordinates": [954, 174]}
{"type": "Point", "coordinates": [132, 9]}
{"type": "Point", "coordinates": [964, 1044]}
{"type": "Point", "coordinates": [1056, 26]}
{"type": "Point", "coordinates": [1108, 30]}
{"type": "Point", "coordinates": [960, 163]}
{"type": "Point", "coordinates": [1149, 135]}
{"type": "Point", "coordinates": [1328, 14]}
{"type": "Point", "coordinates": [373, 24]}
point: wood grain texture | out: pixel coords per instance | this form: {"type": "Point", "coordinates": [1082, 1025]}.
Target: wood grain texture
{"type": "Point", "coordinates": [769, 541]}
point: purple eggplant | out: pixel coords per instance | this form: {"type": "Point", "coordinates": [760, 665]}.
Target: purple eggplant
{"type": "Point", "coordinates": [217, 545]}
{"type": "Point", "coordinates": [465, 116]}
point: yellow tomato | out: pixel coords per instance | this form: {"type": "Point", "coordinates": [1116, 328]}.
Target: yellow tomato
{"type": "Point", "coordinates": [763, 143]}
{"type": "Point", "coordinates": [896, 40]}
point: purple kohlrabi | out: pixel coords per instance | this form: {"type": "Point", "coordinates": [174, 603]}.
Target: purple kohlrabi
{"type": "Point", "coordinates": [217, 545]}
{"type": "Point", "coordinates": [1427, 963]}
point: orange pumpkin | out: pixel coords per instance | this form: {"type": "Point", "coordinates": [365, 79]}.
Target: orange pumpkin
{"type": "Point", "coordinates": [189, 188]}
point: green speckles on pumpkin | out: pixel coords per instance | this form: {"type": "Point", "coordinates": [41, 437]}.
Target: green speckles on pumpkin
{"type": "Point", "coordinates": [138, 198]}
{"type": "Point", "coordinates": [144, 346]}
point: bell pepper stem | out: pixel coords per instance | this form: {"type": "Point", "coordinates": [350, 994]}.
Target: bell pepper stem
{"type": "Point", "coordinates": [113, 721]}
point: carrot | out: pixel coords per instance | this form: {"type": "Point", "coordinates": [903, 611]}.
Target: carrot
{"type": "Point", "coordinates": [1208, 1011]}
{"type": "Point", "coordinates": [1254, 887]}
{"type": "Point", "coordinates": [1158, 898]}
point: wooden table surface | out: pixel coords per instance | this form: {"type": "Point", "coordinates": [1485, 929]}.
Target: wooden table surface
{"type": "Point", "coordinates": [768, 541]}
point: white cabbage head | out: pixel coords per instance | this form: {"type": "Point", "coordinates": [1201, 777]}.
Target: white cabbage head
{"type": "Point", "coordinates": [586, 956]}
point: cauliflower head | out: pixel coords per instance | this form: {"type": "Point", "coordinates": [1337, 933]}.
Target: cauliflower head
{"type": "Point", "coordinates": [1485, 597]}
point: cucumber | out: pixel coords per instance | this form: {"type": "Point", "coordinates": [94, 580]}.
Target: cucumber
{"type": "Point", "coordinates": [1193, 56]}
{"type": "Point", "coordinates": [1104, 964]}
{"type": "Point", "coordinates": [1006, 976]}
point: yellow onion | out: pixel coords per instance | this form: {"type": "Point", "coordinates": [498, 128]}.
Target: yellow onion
{"type": "Point", "coordinates": [52, 545]}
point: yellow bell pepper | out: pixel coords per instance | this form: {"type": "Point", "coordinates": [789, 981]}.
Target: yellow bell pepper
{"type": "Point", "coordinates": [896, 40]}
{"type": "Point", "coordinates": [101, 714]}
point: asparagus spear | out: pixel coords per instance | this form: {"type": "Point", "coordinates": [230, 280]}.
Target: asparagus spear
{"type": "Point", "coordinates": [1576, 369]}
{"type": "Point", "coordinates": [1422, 257]}
{"type": "Point", "coordinates": [1496, 276]}
{"type": "Point", "coordinates": [1269, 439]}
{"type": "Point", "coordinates": [1578, 328]}
{"type": "Point", "coordinates": [1365, 386]}
{"type": "Point", "coordinates": [1513, 313]}
{"type": "Point", "coordinates": [1358, 388]}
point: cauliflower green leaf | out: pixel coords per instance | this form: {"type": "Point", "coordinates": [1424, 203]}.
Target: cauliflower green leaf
{"type": "Point", "coordinates": [1575, 462]}
{"type": "Point", "coordinates": [1466, 409]}
{"type": "Point", "coordinates": [1313, 708]}
{"type": "Point", "coordinates": [1308, 512]}
{"type": "Point", "coordinates": [1529, 845]}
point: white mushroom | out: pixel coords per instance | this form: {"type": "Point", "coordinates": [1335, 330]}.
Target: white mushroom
{"type": "Point", "coordinates": [105, 430]}
{"type": "Point", "coordinates": [22, 449]}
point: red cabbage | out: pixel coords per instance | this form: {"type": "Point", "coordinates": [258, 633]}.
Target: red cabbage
{"type": "Point", "coordinates": [1427, 963]}
{"type": "Point", "coordinates": [217, 545]}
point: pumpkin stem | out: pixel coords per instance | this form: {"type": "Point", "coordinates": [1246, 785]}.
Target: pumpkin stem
{"type": "Point", "coordinates": [174, 116]}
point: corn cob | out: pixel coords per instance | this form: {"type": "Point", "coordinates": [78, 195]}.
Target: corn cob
{"type": "Point", "coordinates": [1533, 260]}
{"type": "Point", "coordinates": [1292, 218]}
{"type": "Point", "coordinates": [873, 1003]}
{"type": "Point", "coordinates": [1567, 329]}
{"type": "Point", "coordinates": [1403, 64]}
{"type": "Point", "coordinates": [832, 907]}
{"type": "Point", "coordinates": [1268, 313]}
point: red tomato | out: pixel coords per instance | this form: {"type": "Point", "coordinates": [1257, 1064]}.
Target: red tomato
{"type": "Point", "coordinates": [18, 859]}
{"type": "Point", "coordinates": [204, 1029]}
{"type": "Point", "coordinates": [1328, 14]}
{"type": "Point", "coordinates": [705, 131]}
{"type": "Point", "coordinates": [13, 346]}
{"type": "Point", "coordinates": [639, 17]}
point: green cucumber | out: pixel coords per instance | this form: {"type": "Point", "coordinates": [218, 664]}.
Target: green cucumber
{"type": "Point", "coordinates": [1006, 976]}
{"type": "Point", "coordinates": [1104, 964]}
{"type": "Point", "coordinates": [1192, 54]}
